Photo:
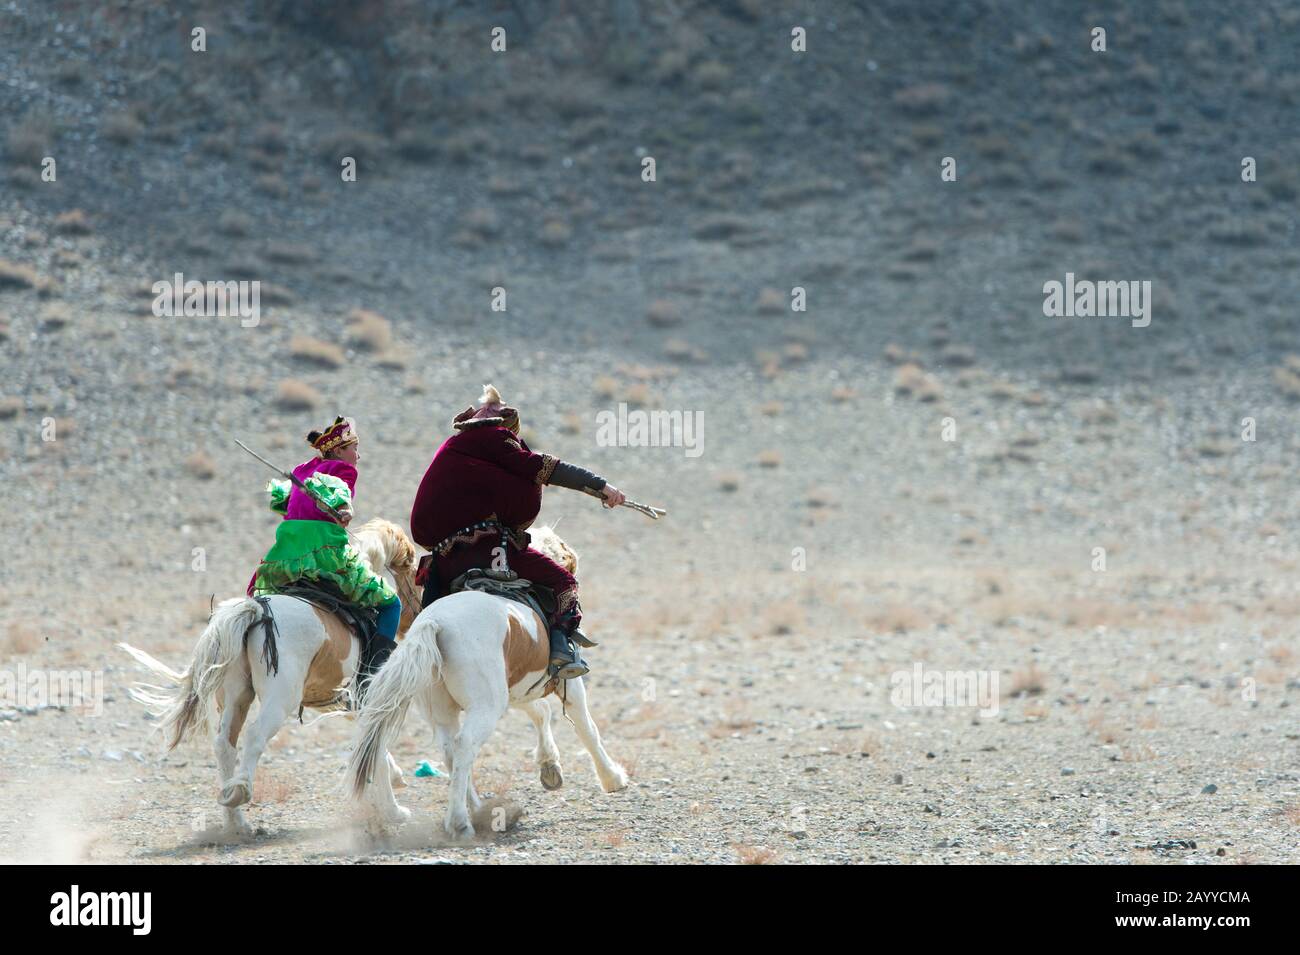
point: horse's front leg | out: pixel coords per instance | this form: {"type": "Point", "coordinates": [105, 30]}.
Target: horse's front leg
{"type": "Point", "coordinates": [546, 753]}
{"type": "Point", "coordinates": [613, 777]}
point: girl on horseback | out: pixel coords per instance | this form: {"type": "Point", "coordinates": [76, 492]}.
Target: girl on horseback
{"type": "Point", "coordinates": [311, 545]}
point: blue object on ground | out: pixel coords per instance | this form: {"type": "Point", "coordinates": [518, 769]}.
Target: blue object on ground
{"type": "Point", "coordinates": [427, 769]}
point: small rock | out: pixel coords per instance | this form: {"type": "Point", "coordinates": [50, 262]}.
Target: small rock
{"type": "Point", "coordinates": [1067, 771]}
{"type": "Point", "coordinates": [1210, 790]}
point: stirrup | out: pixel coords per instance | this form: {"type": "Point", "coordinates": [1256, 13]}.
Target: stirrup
{"type": "Point", "coordinates": [565, 662]}
{"type": "Point", "coordinates": [569, 671]}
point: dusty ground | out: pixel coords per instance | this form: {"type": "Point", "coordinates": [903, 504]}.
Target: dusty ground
{"type": "Point", "coordinates": [827, 538]}
{"type": "Point", "coordinates": [751, 702]}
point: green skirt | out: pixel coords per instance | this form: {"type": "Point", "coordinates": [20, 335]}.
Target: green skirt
{"type": "Point", "coordinates": [319, 550]}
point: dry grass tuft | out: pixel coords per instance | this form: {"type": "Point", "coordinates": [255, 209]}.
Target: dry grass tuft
{"type": "Point", "coordinates": [1286, 377]}
{"type": "Point", "coordinates": [755, 855]}
{"type": "Point", "coordinates": [897, 618]}
{"type": "Point", "coordinates": [368, 331]}
{"type": "Point", "coordinates": [291, 253]}
{"type": "Point", "coordinates": [606, 387]}
{"type": "Point", "coordinates": [200, 465]}
{"type": "Point", "coordinates": [295, 395]}
{"type": "Point", "coordinates": [819, 497]}
{"type": "Point", "coordinates": [923, 99]}
{"type": "Point", "coordinates": [73, 222]}
{"type": "Point", "coordinates": [122, 128]}
{"type": "Point", "coordinates": [1030, 681]}
{"type": "Point", "coordinates": [271, 789]}
{"type": "Point", "coordinates": [313, 351]}
{"type": "Point", "coordinates": [663, 314]}
{"type": "Point", "coordinates": [29, 142]}
{"type": "Point", "coordinates": [614, 838]}
{"type": "Point", "coordinates": [771, 301]}
{"type": "Point", "coordinates": [19, 640]}
{"type": "Point", "coordinates": [911, 381]}
{"type": "Point", "coordinates": [14, 275]}
{"type": "Point", "coordinates": [235, 224]}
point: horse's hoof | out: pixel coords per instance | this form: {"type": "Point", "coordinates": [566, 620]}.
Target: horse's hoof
{"type": "Point", "coordinates": [239, 831]}
{"type": "Point", "coordinates": [235, 794]}
{"type": "Point", "coordinates": [396, 815]}
{"type": "Point", "coordinates": [460, 831]}
{"type": "Point", "coordinates": [616, 782]}
{"type": "Point", "coordinates": [552, 778]}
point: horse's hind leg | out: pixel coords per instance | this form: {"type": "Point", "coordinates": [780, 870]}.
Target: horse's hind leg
{"type": "Point", "coordinates": [479, 722]}
{"type": "Point", "coordinates": [238, 693]}
{"type": "Point", "coordinates": [395, 777]}
{"type": "Point", "coordinates": [546, 753]}
{"type": "Point", "coordinates": [281, 697]}
{"type": "Point", "coordinates": [613, 777]}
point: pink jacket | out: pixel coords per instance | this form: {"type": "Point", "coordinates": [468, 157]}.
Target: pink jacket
{"type": "Point", "coordinates": [301, 506]}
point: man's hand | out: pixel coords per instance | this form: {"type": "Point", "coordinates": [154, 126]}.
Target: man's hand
{"type": "Point", "coordinates": [612, 496]}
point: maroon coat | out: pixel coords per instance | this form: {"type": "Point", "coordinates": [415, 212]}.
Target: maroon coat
{"type": "Point", "coordinates": [487, 472]}
{"type": "Point", "coordinates": [481, 472]}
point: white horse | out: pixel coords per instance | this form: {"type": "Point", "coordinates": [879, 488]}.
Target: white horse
{"type": "Point", "coordinates": [466, 659]}
{"type": "Point", "coordinates": [313, 656]}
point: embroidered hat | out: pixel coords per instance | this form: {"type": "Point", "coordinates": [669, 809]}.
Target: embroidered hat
{"type": "Point", "coordinates": [341, 433]}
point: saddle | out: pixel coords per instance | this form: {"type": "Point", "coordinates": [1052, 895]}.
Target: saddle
{"type": "Point", "coordinates": [343, 620]}
{"type": "Point", "coordinates": [508, 584]}
{"type": "Point", "coordinates": [363, 621]}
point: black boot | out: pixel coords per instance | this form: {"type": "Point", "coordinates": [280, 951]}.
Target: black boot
{"type": "Point", "coordinates": [372, 658]}
{"type": "Point", "coordinates": [565, 661]}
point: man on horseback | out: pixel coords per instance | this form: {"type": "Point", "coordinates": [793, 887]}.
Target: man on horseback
{"type": "Point", "coordinates": [311, 545]}
{"type": "Point", "coordinates": [475, 504]}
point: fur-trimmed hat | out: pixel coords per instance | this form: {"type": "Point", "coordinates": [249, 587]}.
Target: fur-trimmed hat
{"type": "Point", "coordinates": [492, 411]}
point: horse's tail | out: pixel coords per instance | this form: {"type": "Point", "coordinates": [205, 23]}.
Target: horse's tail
{"type": "Point", "coordinates": [189, 704]}
{"type": "Point", "coordinates": [415, 665]}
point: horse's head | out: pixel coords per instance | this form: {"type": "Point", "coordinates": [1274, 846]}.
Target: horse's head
{"type": "Point", "coordinates": [549, 543]}
{"type": "Point", "coordinates": [391, 554]}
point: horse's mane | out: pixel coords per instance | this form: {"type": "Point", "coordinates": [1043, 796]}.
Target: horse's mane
{"type": "Point", "coordinates": [383, 544]}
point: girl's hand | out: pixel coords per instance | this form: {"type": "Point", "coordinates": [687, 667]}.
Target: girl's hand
{"type": "Point", "coordinates": [613, 497]}
{"type": "Point", "coordinates": [345, 516]}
